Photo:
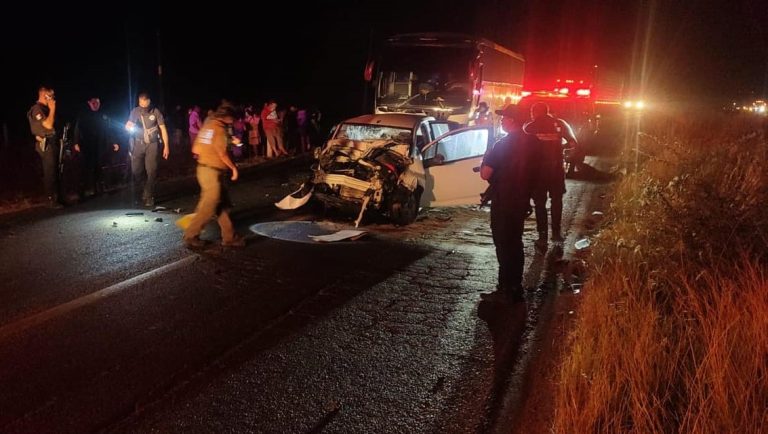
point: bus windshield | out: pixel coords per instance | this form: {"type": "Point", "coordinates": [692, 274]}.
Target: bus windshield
{"type": "Point", "coordinates": [421, 77]}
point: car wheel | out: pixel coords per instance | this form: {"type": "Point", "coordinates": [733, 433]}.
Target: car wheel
{"type": "Point", "coordinates": [404, 206]}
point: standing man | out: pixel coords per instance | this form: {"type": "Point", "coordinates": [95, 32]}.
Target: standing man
{"type": "Point", "coordinates": [273, 130]}
{"type": "Point", "coordinates": [483, 115]}
{"type": "Point", "coordinates": [94, 141]}
{"type": "Point", "coordinates": [194, 124]}
{"type": "Point", "coordinates": [41, 117]}
{"type": "Point", "coordinates": [212, 164]}
{"type": "Point", "coordinates": [144, 124]}
{"type": "Point", "coordinates": [507, 166]}
{"type": "Point", "coordinates": [550, 135]}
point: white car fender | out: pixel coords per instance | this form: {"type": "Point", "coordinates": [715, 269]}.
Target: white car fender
{"type": "Point", "coordinates": [414, 175]}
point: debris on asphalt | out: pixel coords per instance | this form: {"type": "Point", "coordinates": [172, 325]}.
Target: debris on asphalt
{"type": "Point", "coordinates": [597, 213]}
{"type": "Point", "coordinates": [292, 202]}
{"type": "Point", "coordinates": [114, 224]}
{"type": "Point", "coordinates": [134, 214]}
{"type": "Point", "coordinates": [159, 208]}
{"type": "Point", "coordinates": [159, 219]}
{"type": "Point", "coordinates": [342, 235]}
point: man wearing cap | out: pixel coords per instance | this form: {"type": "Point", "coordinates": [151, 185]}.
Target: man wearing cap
{"type": "Point", "coordinates": [147, 126]}
{"type": "Point", "coordinates": [508, 167]}
{"type": "Point", "coordinates": [550, 135]}
{"type": "Point", "coordinates": [212, 164]}
{"type": "Point", "coordinates": [41, 117]}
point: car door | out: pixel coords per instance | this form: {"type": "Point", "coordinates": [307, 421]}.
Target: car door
{"type": "Point", "coordinates": [452, 163]}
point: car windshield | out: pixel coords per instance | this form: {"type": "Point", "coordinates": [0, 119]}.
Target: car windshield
{"type": "Point", "coordinates": [374, 132]}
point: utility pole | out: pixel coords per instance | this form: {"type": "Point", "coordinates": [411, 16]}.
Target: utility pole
{"type": "Point", "coordinates": [128, 66]}
{"type": "Point", "coordinates": [161, 95]}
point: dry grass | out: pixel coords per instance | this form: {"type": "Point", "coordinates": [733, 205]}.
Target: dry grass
{"type": "Point", "coordinates": [672, 333]}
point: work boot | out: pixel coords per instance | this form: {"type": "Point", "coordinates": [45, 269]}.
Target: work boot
{"type": "Point", "coordinates": [194, 243]}
{"type": "Point", "coordinates": [542, 241]}
{"type": "Point", "coordinates": [236, 241]}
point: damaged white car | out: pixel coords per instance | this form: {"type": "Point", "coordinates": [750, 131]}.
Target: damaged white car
{"type": "Point", "coordinates": [397, 163]}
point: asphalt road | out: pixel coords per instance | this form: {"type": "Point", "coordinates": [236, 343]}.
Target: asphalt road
{"type": "Point", "coordinates": [107, 323]}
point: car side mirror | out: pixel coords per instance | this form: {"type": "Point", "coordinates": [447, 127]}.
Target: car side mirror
{"type": "Point", "coordinates": [437, 160]}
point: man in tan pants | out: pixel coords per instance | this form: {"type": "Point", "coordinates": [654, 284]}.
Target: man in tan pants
{"type": "Point", "coordinates": [212, 164]}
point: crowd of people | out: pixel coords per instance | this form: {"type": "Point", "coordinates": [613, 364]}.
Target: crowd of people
{"type": "Point", "coordinates": [103, 149]}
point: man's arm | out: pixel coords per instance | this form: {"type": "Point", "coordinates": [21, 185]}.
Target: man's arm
{"type": "Point", "coordinates": [77, 133]}
{"type": "Point", "coordinates": [486, 172]}
{"type": "Point", "coordinates": [163, 132]}
{"type": "Point", "coordinates": [48, 121]}
{"type": "Point", "coordinates": [166, 148]}
{"type": "Point", "coordinates": [221, 150]}
{"type": "Point", "coordinates": [132, 118]}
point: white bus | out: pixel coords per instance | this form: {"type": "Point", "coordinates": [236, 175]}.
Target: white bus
{"type": "Point", "coordinates": [444, 75]}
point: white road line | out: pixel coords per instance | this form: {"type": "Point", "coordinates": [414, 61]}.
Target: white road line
{"type": "Point", "coordinates": [39, 318]}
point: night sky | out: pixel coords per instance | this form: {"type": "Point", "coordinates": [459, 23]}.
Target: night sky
{"type": "Point", "coordinates": [313, 54]}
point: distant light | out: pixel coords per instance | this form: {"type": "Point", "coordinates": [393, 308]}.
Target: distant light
{"type": "Point", "coordinates": [583, 92]}
{"type": "Point", "coordinates": [627, 104]}
{"type": "Point", "coordinates": [131, 129]}
{"type": "Point", "coordinates": [640, 105]}
{"type": "Point", "coordinates": [525, 93]}
{"type": "Point", "coordinates": [564, 90]}
{"type": "Point", "coordinates": [761, 109]}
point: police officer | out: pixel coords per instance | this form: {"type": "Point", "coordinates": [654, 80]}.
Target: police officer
{"type": "Point", "coordinates": [94, 140]}
{"type": "Point", "coordinates": [212, 164]}
{"type": "Point", "coordinates": [507, 166]}
{"type": "Point", "coordinates": [41, 117]}
{"type": "Point", "coordinates": [147, 127]}
{"type": "Point", "coordinates": [550, 136]}
{"type": "Point", "coordinates": [483, 115]}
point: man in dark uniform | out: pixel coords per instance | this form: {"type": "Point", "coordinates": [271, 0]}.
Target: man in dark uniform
{"type": "Point", "coordinates": [507, 166]}
{"type": "Point", "coordinates": [146, 126]}
{"type": "Point", "coordinates": [550, 136]}
{"type": "Point", "coordinates": [41, 117]}
{"type": "Point", "coordinates": [94, 140]}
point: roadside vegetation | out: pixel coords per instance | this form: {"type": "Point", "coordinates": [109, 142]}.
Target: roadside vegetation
{"type": "Point", "coordinates": [672, 333]}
